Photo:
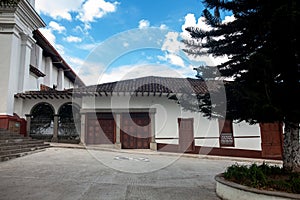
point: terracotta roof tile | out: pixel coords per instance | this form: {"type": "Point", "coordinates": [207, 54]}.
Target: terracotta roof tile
{"type": "Point", "coordinates": [149, 84]}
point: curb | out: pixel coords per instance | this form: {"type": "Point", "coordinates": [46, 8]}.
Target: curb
{"type": "Point", "coordinates": [151, 152]}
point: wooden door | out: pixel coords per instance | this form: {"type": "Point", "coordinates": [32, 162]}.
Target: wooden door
{"type": "Point", "coordinates": [135, 131]}
{"type": "Point", "coordinates": [186, 134]}
{"type": "Point", "coordinates": [100, 129]}
{"type": "Point", "coordinates": [271, 140]}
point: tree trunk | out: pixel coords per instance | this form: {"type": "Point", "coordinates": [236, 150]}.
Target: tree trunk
{"type": "Point", "coordinates": [291, 147]}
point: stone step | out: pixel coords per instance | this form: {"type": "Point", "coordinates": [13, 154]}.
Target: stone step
{"type": "Point", "coordinates": [11, 156]}
{"type": "Point", "coordinates": [20, 146]}
{"type": "Point", "coordinates": [11, 137]}
{"type": "Point", "coordinates": [15, 140]}
{"type": "Point", "coordinates": [19, 141]}
{"type": "Point", "coordinates": [7, 153]}
{"type": "Point", "coordinates": [14, 145]}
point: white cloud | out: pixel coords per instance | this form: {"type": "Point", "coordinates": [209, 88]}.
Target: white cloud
{"type": "Point", "coordinates": [136, 71]}
{"type": "Point", "coordinates": [57, 27]}
{"type": "Point", "coordinates": [93, 9]}
{"type": "Point", "coordinates": [172, 43]}
{"type": "Point", "coordinates": [58, 9]}
{"type": "Point", "coordinates": [190, 21]}
{"type": "Point", "coordinates": [163, 26]}
{"type": "Point", "coordinates": [48, 34]}
{"type": "Point", "coordinates": [73, 39]}
{"type": "Point", "coordinates": [172, 59]}
{"type": "Point", "coordinates": [88, 47]}
{"type": "Point", "coordinates": [228, 19]}
{"type": "Point", "coordinates": [125, 44]}
{"type": "Point", "coordinates": [144, 24]}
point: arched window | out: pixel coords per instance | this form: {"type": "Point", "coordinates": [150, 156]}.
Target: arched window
{"type": "Point", "coordinates": [69, 122]}
{"type": "Point", "coordinates": [41, 126]}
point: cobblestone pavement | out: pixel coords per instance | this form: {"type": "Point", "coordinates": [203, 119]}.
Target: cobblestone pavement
{"type": "Point", "coordinates": [80, 174]}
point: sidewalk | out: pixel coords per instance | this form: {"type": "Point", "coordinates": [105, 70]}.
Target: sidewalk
{"type": "Point", "coordinates": [151, 152]}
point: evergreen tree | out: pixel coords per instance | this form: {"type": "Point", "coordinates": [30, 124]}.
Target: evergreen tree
{"type": "Point", "coordinates": [262, 45]}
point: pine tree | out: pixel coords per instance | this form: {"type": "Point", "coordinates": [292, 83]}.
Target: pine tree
{"type": "Point", "coordinates": [262, 45]}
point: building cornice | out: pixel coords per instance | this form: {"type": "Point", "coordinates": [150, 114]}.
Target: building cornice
{"type": "Point", "coordinates": [21, 17]}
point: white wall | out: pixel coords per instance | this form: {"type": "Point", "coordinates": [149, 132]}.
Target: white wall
{"type": "Point", "coordinates": [54, 76]}
{"type": "Point", "coordinates": [33, 82]}
{"type": "Point", "coordinates": [9, 69]}
{"type": "Point", "coordinates": [24, 107]}
{"type": "Point", "coordinates": [166, 125]}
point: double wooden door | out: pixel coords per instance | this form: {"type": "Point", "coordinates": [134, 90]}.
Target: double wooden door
{"type": "Point", "coordinates": [101, 129]}
{"type": "Point", "coordinates": [135, 131]}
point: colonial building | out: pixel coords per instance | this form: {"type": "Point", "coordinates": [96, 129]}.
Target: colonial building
{"type": "Point", "coordinates": [43, 98]}
{"type": "Point", "coordinates": [28, 62]}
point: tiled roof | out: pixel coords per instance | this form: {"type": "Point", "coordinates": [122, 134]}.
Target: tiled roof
{"type": "Point", "coordinates": [150, 84]}
{"type": "Point", "coordinates": [51, 94]}
{"type": "Point", "coordinates": [144, 86]}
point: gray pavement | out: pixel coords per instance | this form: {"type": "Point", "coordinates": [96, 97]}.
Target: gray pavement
{"type": "Point", "coordinates": [80, 174]}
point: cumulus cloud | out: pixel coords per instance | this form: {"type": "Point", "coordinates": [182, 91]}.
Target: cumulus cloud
{"type": "Point", "coordinates": [191, 21]}
{"type": "Point", "coordinates": [163, 26]}
{"type": "Point", "coordinates": [172, 43]}
{"type": "Point", "coordinates": [144, 24]}
{"type": "Point", "coordinates": [93, 9]}
{"type": "Point", "coordinates": [172, 59]}
{"type": "Point", "coordinates": [135, 71]}
{"type": "Point", "coordinates": [58, 10]}
{"type": "Point", "coordinates": [48, 33]}
{"type": "Point", "coordinates": [84, 10]}
{"type": "Point", "coordinates": [57, 27]}
{"type": "Point", "coordinates": [73, 39]}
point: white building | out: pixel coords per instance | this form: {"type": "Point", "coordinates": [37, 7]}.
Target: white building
{"type": "Point", "coordinates": [40, 97]}
{"type": "Point", "coordinates": [28, 62]}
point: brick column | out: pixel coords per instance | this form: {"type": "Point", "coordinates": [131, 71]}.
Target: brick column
{"type": "Point", "coordinates": [55, 129]}
{"type": "Point", "coordinates": [28, 122]}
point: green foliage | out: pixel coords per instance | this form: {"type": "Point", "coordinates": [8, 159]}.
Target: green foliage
{"type": "Point", "coordinates": [264, 50]}
{"type": "Point", "coordinates": [264, 176]}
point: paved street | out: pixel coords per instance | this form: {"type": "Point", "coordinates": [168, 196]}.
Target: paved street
{"type": "Point", "coordinates": [79, 174]}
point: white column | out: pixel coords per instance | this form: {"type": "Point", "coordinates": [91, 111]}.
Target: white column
{"type": "Point", "coordinates": [118, 144]}
{"type": "Point", "coordinates": [82, 132]}
{"type": "Point", "coordinates": [28, 120]}
{"type": "Point", "coordinates": [153, 145]}
{"type": "Point", "coordinates": [60, 79]}
{"type": "Point", "coordinates": [48, 71]}
{"type": "Point", "coordinates": [9, 69]}
{"type": "Point", "coordinates": [55, 129]}
{"type": "Point", "coordinates": [40, 57]}
{"type": "Point", "coordinates": [26, 45]}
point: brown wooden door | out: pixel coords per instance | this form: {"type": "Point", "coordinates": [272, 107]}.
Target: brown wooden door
{"type": "Point", "coordinates": [100, 130]}
{"type": "Point", "coordinates": [135, 131]}
{"type": "Point", "coordinates": [186, 134]}
{"type": "Point", "coordinates": [271, 140]}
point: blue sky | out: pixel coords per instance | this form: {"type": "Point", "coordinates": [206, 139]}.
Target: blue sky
{"type": "Point", "coordinates": [105, 40]}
